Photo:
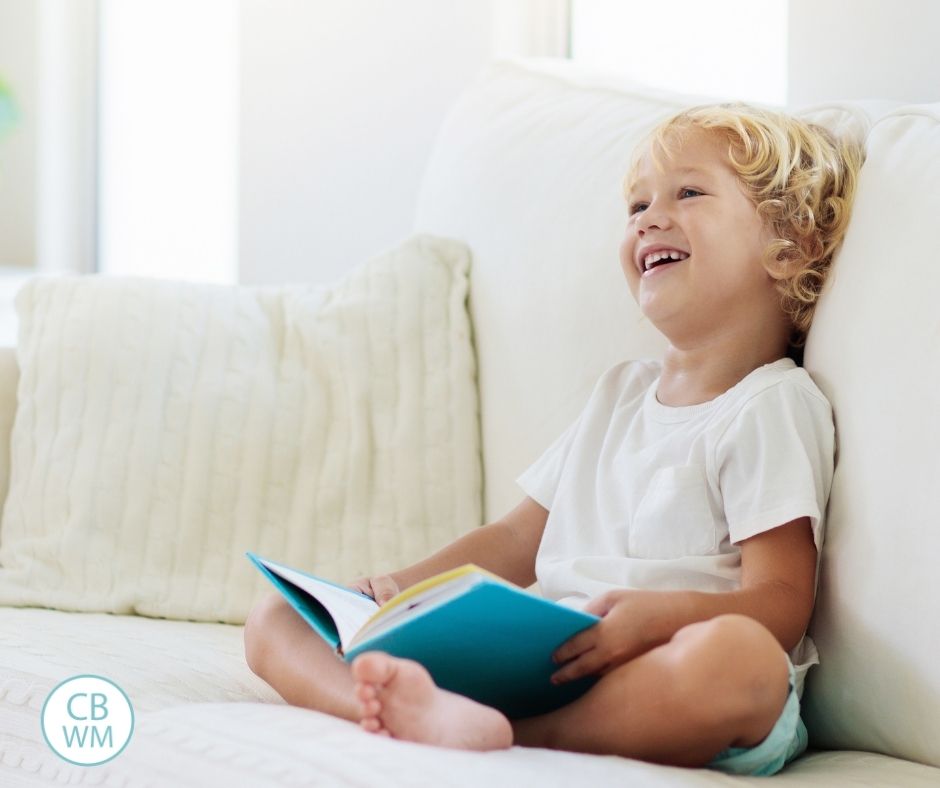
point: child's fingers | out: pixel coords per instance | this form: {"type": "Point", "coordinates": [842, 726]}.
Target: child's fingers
{"type": "Point", "coordinates": [574, 646]}
{"type": "Point", "coordinates": [383, 588]}
{"type": "Point", "coordinates": [588, 663]}
{"type": "Point", "coordinates": [600, 606]}
{"type": "Point", "coordinates": [362, 586]}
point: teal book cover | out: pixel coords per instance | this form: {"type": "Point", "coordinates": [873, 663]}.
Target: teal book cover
{"type": "Point", "coordinates": [476, 634]}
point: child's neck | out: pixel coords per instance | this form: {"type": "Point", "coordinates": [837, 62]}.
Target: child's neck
{"type": "Point", "coordinates": [694, 375]}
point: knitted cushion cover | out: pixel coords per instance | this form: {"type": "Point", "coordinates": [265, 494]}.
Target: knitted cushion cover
{"type": "Point", "coordinates": [164, 428]}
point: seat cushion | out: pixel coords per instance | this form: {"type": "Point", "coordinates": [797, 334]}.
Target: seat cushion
{"type": "Point", "coordinates": [263, 745]}
{"type": "Point", "coordinates": [158, 663]}
{"type": "Point", "coordinates": [202, 718]}
{"type": "Point", "coordinates": [270, 746]}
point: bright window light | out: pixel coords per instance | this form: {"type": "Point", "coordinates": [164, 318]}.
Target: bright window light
{"type": "Point", "coordinates": [720, 48]}
{"type": "Point", "coordinates": [168, 139]}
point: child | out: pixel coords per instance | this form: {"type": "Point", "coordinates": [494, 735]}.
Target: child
{"type": "Point", "coordinates": [684, 506]}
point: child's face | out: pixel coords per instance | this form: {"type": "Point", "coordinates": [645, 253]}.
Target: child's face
{"type": "Point", "coordinates": [697, 205]}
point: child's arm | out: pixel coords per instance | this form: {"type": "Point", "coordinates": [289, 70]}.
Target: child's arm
{"type": "Point", "coordinates": [506, 548]}
{"type": "Point", "coordinates": [778, 569]}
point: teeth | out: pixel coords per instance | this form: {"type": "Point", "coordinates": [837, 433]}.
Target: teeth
{"type": "Point", "coordinates": [655, 257]}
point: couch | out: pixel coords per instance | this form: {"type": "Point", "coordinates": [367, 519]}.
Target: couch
{"type": "Point", "coordinates": [526, 173]}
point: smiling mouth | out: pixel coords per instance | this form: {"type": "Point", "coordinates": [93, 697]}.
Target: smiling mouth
{"type": "Point", "coordinates": [660, 264]}
{"type": "Point", "coordinates": [656, 260]}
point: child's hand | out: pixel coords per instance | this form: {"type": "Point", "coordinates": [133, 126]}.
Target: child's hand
{"type": "Point", "coordinates": [381, 587]}
{"type": "Point", "coordinates": [624, 632]}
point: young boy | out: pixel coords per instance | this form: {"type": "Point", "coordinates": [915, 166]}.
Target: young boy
{"type": "Point", "coordinates": [684, 506]}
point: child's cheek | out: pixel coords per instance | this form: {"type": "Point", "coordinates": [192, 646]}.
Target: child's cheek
{"type": "Point", "coordinates": [627, 248]}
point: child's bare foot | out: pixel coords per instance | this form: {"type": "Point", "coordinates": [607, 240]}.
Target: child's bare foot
{"type": "Point", "coordinates": [398, 698]}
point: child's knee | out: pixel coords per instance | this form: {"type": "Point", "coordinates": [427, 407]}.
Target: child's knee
{"type": "Point", "coordinates": [258, 627]}
{"type": "Point", "coordinates": [732, 666]}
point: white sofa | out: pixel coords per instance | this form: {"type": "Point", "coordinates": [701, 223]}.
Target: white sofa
{"type": "Point", "coordinates": [527, 172]}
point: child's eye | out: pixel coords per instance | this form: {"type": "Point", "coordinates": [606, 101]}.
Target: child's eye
{"type": "Point", "coordinates": [639, 206]}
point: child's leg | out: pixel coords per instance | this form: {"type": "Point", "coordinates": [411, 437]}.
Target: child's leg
{"type": "Point", "coordinates": [281, 648]}
{"type": "Point", "coordinates": [716, 684]}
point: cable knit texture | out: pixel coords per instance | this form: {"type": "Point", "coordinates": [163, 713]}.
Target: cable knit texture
{"type": "Point", "coordinates": [164, 428]}
{"type": "Point", "coordinates": [159, 664]}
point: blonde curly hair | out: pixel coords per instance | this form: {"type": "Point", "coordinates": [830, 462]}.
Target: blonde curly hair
{"type": "Point", "coordinates": [802, 180]}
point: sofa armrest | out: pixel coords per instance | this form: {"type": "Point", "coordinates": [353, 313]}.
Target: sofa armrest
{"type": "Point", "coordinates": [9, 378]}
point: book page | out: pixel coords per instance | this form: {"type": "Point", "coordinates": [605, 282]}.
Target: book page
{"type": "Point", "coordinates": [429, 593]}
{"type": "Point", "coordinates": [349, 609]}
{"type": "Point", "coordinates": [425, 599]}
{"type": "Point", "coordinates": [419, 588]}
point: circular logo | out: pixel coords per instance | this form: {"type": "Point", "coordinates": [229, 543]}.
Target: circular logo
{"type": "Point", "coordinates": [87, 720]}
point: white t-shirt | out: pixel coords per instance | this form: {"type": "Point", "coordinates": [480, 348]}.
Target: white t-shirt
{"type": "Point", "coordinates": [646, 496]}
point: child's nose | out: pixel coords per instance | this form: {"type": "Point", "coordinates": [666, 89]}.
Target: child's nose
{"type": "Point", "coordinates": [654, 215]}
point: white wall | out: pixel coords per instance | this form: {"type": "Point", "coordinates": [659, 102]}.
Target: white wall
{"type": "Point", "coordinates": [284, 140]}
{"type": "Point", "coordinates": [864, 49]}
{"type": "Point", "coordinates": [718, 48]}
{"type": "Point", "coordinates": [339, 106]}
{"type": "Point", "coordinates": [337, 110]}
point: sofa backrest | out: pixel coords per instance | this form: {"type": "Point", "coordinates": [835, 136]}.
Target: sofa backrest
{"type": "Point", "coordinates": [874, 349]}
{"type": "Point", "coordinates": [527, 170]}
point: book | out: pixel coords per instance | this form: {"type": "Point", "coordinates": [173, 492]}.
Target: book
{"type": "Point", "coordinates": [477, 634]}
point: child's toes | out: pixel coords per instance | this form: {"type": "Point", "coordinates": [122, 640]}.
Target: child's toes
{"type": "Point", "coordinates": [373, 667]}
{"type": "Point", "coordinates": [371, 724]}
{"type": "Point", "coordinates": [365, 692]}
{"type": "Point", "coordinates": [371, 708]}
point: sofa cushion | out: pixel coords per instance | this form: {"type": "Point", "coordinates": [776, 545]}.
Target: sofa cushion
{"type": "Point", "coordinates": [159, 664]}
{"type": "Point", "coordinates": [164, 428]}
{"type": "Point", "coordinates": [202, 718]}
{"type": "Point", "coordinates": [874, 349]}
{"type": "Point", "coordinates": [266, 746]}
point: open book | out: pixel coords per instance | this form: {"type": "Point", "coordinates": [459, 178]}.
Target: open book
{"type": "Point", "coordinates": [476, 634]}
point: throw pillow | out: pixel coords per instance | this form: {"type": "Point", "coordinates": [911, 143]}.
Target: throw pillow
{"type": "Point", "coordinates": [164, 428]}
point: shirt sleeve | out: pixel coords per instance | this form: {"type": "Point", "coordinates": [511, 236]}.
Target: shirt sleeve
{"type": "Point", "coordinates": [540, 480]}
{"type": "Point", "coordinates": [776, 460]}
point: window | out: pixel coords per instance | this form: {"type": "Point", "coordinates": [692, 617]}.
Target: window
{"type": "Point", "coordinates": [168, 133]}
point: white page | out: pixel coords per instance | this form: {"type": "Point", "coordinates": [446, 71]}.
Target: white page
{"type": "Point", "coordinates": [349, 610]}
